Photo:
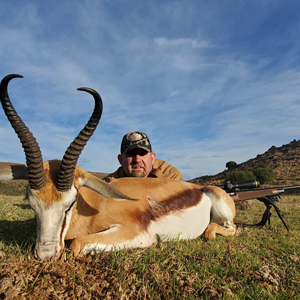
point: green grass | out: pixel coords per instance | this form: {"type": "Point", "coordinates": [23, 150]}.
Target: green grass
{"type": "Point", "coordinates": [258, 263]}
{"type": "Point", "coordinates": [17, 223]}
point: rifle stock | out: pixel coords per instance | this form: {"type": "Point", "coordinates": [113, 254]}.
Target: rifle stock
{"type": "Point", "coordinates": [247, 195]}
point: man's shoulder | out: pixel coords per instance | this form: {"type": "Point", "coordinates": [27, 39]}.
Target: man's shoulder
{"type": "Point", "coordinates": [160, 163]}
{"type": "Point", "coordinates": [162, 169]}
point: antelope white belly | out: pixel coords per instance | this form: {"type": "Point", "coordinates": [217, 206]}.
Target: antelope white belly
{"type": "Point", "coordinates": [187, 224]}
{"type": "Point", "coordinates": [142, 240]}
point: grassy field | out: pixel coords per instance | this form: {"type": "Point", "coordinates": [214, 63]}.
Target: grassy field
{"type": "Point", "coordinates": [257, 263]}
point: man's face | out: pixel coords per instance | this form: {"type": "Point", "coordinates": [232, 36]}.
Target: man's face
{"type": "Point", "coordinates": [137, 162]}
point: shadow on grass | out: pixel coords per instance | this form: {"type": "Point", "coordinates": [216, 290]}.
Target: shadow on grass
{"type": "Point", "coordinates": [20, 233]}
{"type": "Point", "coordinates": [23, 206]}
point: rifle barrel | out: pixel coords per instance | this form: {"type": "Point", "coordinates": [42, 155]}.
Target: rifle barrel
{"type": "Point", "coordinates": [243, 190]}
{"type": "Point", "coordinates": [293, 187]}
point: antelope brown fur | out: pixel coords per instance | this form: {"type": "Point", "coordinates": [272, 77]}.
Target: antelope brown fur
{"type": "Point", "coordinates": [72, 204]}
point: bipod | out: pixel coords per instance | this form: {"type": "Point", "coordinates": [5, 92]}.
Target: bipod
{"type": "Point", "coordinates": [269, 202]}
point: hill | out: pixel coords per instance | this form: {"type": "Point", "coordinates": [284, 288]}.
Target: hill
{"type": "Point", "coordinates": [284, 161]}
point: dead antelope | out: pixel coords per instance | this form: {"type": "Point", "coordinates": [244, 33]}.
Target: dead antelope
{"type": "Point", "coordinates": [72, 204]}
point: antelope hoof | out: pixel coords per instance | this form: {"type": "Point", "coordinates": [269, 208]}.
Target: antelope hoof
{"type": "Point", "coordinates": [75, 248]}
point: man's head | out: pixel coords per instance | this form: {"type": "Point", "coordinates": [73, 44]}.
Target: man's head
{"type": "Point", "coordinates": [136, 155]}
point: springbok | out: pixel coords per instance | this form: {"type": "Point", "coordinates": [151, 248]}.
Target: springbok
{"type": "Point", "coordinates": [71, 204]}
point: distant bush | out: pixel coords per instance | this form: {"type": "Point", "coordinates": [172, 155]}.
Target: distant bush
{"type": "Point", "coordinates": [260, 172]}
{"type": "Point", "coordinates": [261, 165]}
{"type": "Point", "coordinates": [231, 164]}
{"type": "Point", "coordinates": [238, 176]}
{"type": "Point", "coordinates": [264, 174]}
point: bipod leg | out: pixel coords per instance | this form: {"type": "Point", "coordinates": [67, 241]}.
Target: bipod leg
{"type": "Point", "coordinates": [266, 217]}
{"type": "Point", "coordinates": [280, 216]}
{"type": "Point", "coordinates": [269, 201]}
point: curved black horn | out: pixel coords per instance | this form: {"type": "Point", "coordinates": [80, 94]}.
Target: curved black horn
{"type": "Point", "coordinates": [68, 164]}
{"type": "Point", "coordinates": [32, 150]}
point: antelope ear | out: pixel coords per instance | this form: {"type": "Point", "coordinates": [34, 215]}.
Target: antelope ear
{"type": "Point", "coordinates": [100, 186]}
{"type": "Point", "coordinates": [9, 171]}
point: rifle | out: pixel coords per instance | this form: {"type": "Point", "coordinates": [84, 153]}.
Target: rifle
{"type": "Point", "coordinates": [244, 191]}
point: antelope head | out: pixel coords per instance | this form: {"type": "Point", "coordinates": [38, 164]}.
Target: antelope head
{"type": "Point", "coordinates": [54, 185]}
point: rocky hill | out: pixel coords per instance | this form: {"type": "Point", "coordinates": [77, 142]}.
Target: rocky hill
{"type": "Point", "coordinates": [284, 161]}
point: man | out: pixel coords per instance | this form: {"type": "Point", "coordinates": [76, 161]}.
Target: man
{"type": "Point", "coordinates": [138, 160]}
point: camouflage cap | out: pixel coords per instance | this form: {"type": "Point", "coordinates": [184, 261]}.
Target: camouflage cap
{"type": "Point", "coordinates": [134, 140]}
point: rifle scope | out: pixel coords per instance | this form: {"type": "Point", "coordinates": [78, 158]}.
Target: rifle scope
{"type": "Point", "coordinates": [250, 184]}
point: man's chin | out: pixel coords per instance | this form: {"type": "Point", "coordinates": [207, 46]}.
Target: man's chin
{"type": "Point", "coordinates": [138, 174]}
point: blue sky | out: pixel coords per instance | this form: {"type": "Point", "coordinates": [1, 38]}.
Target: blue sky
{"type": "Point", "coordinates": [208, 81]}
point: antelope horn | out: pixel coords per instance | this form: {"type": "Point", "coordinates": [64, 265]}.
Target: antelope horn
{"type": "Point", "coordinates": [32, 150]}
{"type": "Point", "coordinates": [68, 164]}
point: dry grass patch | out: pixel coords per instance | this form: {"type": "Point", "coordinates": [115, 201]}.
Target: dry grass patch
{"type": "Point", "coordinates": [255, 264]}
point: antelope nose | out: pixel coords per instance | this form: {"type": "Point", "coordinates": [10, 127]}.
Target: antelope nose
{"type": "Point", "coordinates": [45, 251]}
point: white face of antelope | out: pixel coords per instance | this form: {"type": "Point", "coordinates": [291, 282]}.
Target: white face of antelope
{"type": "Point", "coordinates": [53, 218]}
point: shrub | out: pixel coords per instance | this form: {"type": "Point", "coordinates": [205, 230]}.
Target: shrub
{"type": "Point", "coordinates": [239, 176]}
{"type": "Point", "coordinates": [231, 164]}
{"type": "Point", "coordinates": [263, 174]}
{"type": "Point", "coordinates": [261, 165]}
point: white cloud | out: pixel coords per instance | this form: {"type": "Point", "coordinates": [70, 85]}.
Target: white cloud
{"type": "Point", "coordinates": [206, 85]}
{"type": "Point", "coordinates": [173, 44]}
